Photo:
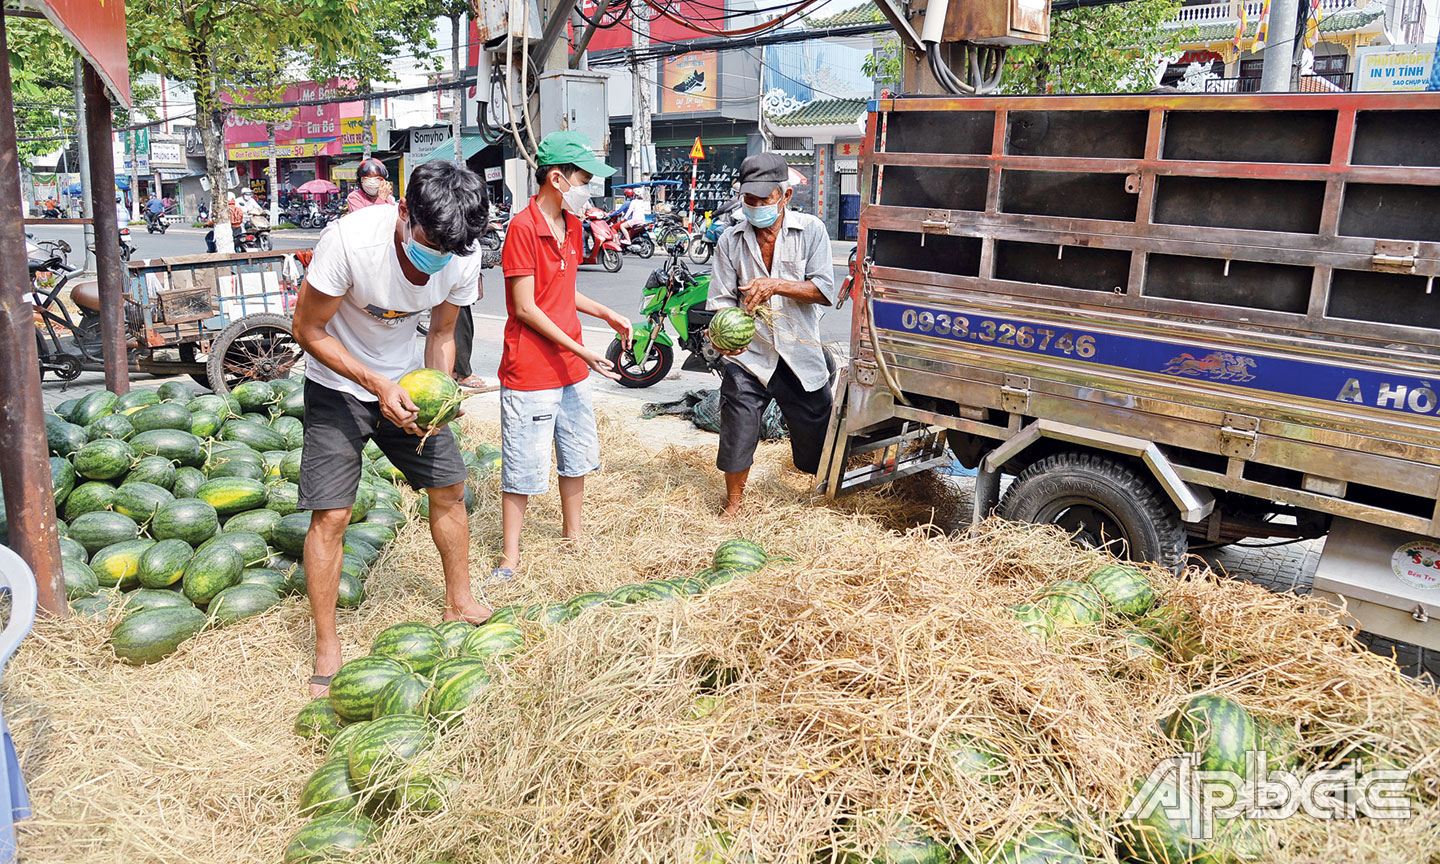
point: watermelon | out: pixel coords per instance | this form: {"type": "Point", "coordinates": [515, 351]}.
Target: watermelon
{"type": "Point", "coordinates": [357, 685]}
{"type": "Point", "coordinates": [116, 426]}
{"type": "Point", "coordinates": [97, 606]}
{"type": "Point", "coordinates": [241, 601]}
{"type": "Point", "coordinates": [204, 424]}
{"type": "Point", "coordinates": [317, 720]}
{"type": "Point", "coordinates": [376, 535]}
{"type": "Point", "coordinates": [448, 669]}
{"type": "Point", "coordinates": [155, 633]}
{"type": "Point", "coordinates": [503, 615]}
{"type": "Point", "coordinates": [258, 419]}
{"type": "Point", "coordinates": [623, 595]}
{"type": "Point", "coordinates": [282, 497]}
{"type": "Point", "coordinates": [163, 563]}
{"type": "Point", "coordinates": [386, 470]}
{"type": "Point", "coordinates": [292, 429]}
{"type": "Point", "coordinates": [92, 406]}
{"type": "Point", "coordinates": [1280, 742]}
{"type": "Point", "coordinates": [62, 479]}
{"type": "Point", "coordinates": [154, 598]}
{"type": "Point", "coordinates": [1035, 618]}
{"type": "Point", "coordinates": [745, 556]}
{"type": "Point", "coordinates": [140, 500]}
{"type": "Point", "coordinates": [418, 646]}
{"type": "Point", "coordinates": [351, 592]}
{"type": "Point", "coordinates": [288, 535]}
{"type": "Point", "coordinates": [135, 400]}
{"type": "Point", "coordinates": [156, 470]}
{"type": "Point", "coordinates": [187, 480]}
{"type": "Point", "coordinates": [119, 563]}
{"type": "Point", "coordinates": [98, 529]}
{"type": "Point", "coordinates": [386, 745]}
{"type": "Point", "coordinates": [1220, 730]}
{"type": "Point", "coordinates": [454, 633]}
{"type": "Point", "coordinates": [339, 749]}
{"type": "Point", "coordinates": [237, 468]}
{"type": "Point", "coordinates": [210, 402]}
{"type": "Point", "coordinates": [404, 695]}
{"type": "Point", "coordinates": [364, 500]}
{"type": "Point", "coordinates": [386, 495]}
{"type": "Point", "coordinates": [448, 701]}
{"type": "Point", "coordinates": [330, 837]}
{"type": "Point", "coordinates": [231, 495]}
{"type": "Point", "coordinates": [1124, 587]}
{"type": "Point", "coordinates": [64, 408]}
{"type": "Point", "coordinates": [166, 415]}
{"type": "Point", "coordinates": [272, 459]}
{"type": "Point", "coordinates": [426, 793]}
{"type": "Point", "coordinates": [363, 552]}
{"type": "Point", "coordinates": [252, 434]}
{"type": "Point", "coordinates": [175, 391]}
{"type": "Point", "coordinates": [63, 438]}
{"type": "Point", "coordinates": [1072, 604]}
{"type": "Point", "coordinates": [71, 550]}
{"type": "Point", "coordinates": [188, 519]}
{"type": "Point", "coordinates": [259, 521]}
{"type": "Point", "coordinates": [213, 569]}
{"type": "Point", "coordinates": [293, 404]}
{"type": "Point", "coordinates": [976, 758]}
{"type": "Point", "coordinates": [273, 579]}
{"type": "Point", "coordinates": [581, 602]}
{"type": "Point", "coordinates": [80, 580]}
{"type": "Point", "coordinates": [905, 843]}
{"type": "Point", "coordinates": [732, 329]}
{"type": "Point", "coordinates": [547, 613]}
{"type": "Point", "coordinates": [1040, 844]}
{"type": "Point", "coordinates": [254, 395]}
{"type": "Point", "coordinates": [181, 447]}
{"type": "Point", "coordinates": [717, 576]}
{"type": "Point", "coordinates": [88, 497]}
{"type": "Point", "coordinates": [329, 790]}
{"type": "Point", "coordinates": [103, 459]}
{"type": "Point", "coordinates": [290, 466]}
{"type": "Point", "coordinates": [660, 589]}
{"type": "Point", "coordinates": [689, 585]}
{"type": "Point", "coordinates": [1163, 835]}
{"type": "Point", "coordinates": [493, 642]}
{"type": "Point", "coordinates": [435, 394]}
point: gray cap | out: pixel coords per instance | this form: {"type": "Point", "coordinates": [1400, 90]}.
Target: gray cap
{"type": "Point", "coordinates": [761, 173]}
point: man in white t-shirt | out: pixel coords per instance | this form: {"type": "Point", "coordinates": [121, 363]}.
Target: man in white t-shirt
{"type": "Point", "coordinates": [372, 274]}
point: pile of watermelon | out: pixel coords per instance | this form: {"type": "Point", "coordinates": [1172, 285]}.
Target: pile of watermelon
{"type": "Point", "coordinates": [386, 708]}
{"type": "Point", "coordinates": [177, 511]}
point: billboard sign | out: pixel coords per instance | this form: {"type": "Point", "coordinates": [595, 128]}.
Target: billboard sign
{"type": "Point", "coordinates": [1393, 68]}
{"type": "Point", "coordinates": [310, 124]}
{"type": "Point", "coordinates": [689, 82]}
{"type": "Point", "coordinates": [352, 134]}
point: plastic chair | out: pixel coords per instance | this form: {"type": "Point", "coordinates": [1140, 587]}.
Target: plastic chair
{"type": "Point", "coordinates": [15, 576]}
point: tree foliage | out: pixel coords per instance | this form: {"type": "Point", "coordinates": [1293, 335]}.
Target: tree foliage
{"type": "Point", "coordinates": [1097, 49]}
{"type": "Point", "coordinates": [883, 63]}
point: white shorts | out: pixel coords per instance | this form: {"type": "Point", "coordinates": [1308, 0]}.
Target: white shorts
{"type": "Point", "coordinates": [531, 422]}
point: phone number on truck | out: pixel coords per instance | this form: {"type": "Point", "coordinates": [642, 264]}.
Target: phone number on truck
{"type": "Point", "coordinates": [1004, 333]}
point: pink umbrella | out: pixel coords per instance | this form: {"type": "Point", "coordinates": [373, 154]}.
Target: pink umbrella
{"type": "Point", "coordinates": [796, 178]}
{"type": "Point", "coordinates": [318, 187]}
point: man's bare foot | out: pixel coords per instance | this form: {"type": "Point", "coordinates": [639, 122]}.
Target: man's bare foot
{"type": "Point", "coordinates": [327, 663]}
{"type": "Point", "coordinates": [731, 509]}
{"type": "Point", "coordinates": [470, 613]}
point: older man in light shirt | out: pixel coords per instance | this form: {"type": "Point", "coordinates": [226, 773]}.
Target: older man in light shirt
{"type": "Point", "coordinates": [779, 259]}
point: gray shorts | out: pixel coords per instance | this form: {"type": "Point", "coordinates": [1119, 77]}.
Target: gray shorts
{"type": "Point", "coordinates": [337, 425]}
{"type": "Point", "coordinates": [531, 421]}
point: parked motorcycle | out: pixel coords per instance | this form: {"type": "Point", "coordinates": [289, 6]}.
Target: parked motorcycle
{"type": "Point", "coordinates": [494, 236]}
{"type": "Point", "coordinates": [126, 247]}
{"type": "Point", "coordinates": [702, 243]}
{"type": "Point", "coordinates": [602, 245]}
{"type": "Point", "coordinates": [675, 297]}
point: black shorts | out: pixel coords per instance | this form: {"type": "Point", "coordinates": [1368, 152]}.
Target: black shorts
{"type": "Point", "coordinates": [742, 408]}
{"type": "Point", "coordinates": [337, 425]}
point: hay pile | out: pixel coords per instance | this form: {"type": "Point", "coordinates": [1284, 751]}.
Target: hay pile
{"type": "Point", "coordinates": [838, 676]}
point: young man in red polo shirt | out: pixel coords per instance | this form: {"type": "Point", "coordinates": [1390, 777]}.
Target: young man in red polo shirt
{"type": "Point", "coordinates": [544, 394]}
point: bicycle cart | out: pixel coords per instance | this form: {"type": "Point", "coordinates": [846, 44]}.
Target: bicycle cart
{"type": "Point", "coordinates": [221, 319]}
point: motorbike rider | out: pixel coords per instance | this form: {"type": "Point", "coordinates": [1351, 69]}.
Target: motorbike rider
{"type": "Point", "coordinates": [374, 188]}
{"type": "Point", "coordinates": [636, 212]}
{"type": "Point", "coordinates": [154, 209]}
{"type": "Point", "coordinates": [237, 218]}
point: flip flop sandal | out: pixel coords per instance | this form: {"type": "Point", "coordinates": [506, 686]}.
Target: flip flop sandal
{"type": "Point", "coordinates": [496, 577]}
{"type": "Point", "coordinates": [322, 680]}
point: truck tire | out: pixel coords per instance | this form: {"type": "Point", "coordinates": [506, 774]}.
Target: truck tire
{"type": "Point", "coordinates": [1101, 501]}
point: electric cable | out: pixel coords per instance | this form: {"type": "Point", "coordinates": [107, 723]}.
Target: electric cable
{"type": "Point", "coordinates": [742, 31]}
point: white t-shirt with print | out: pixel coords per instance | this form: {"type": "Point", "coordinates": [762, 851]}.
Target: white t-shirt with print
{"type": "Point", "coordinates": [356, 260]}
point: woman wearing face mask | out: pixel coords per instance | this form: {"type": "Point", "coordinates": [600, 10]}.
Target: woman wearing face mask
{"type": "Point", "coordinates": [374, 186]}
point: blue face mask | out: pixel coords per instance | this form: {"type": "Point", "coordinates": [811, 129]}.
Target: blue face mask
{"type": "Point", "coordinates": [426, 260]}
{"type": "Point", "coordinates": [763, 216]}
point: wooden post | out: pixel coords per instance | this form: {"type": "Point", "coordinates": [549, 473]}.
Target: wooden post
{"type": "Point", "coordinates": [25, 456]}
{"type": "Point", "coordinates": [107, 235]}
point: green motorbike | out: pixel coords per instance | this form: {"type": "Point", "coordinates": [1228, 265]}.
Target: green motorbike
{"type": "Point", "coordinates": [673, 296]}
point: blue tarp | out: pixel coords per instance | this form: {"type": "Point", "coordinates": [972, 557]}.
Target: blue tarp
{"type": "Point", "coordinates": [120, 183]}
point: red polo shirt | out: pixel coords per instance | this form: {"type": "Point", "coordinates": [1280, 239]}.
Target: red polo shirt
{"type": "Point", "coordinates": [530, 361]}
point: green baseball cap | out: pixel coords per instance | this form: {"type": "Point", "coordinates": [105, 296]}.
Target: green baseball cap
{"type": "Point", "coordinates": [571, 148]}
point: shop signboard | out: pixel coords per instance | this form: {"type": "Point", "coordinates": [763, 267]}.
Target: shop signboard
{"type": "Point", "coordinates": [317, 125]}
{"type": "Point", "coordinates": [285, 151]}
{"type": "Point", "coordinates": [424, 141]}
{"type": "Point", "coordinates": [494, 174]}
{"type": "Point", "coordinates": [1391, 68]}
{"type": "Point", "coordinates": [352, 134]}
{"type": "Point", "coordinates": [689, 82]}
{"type": "Point", "coordinates": [167, 154]}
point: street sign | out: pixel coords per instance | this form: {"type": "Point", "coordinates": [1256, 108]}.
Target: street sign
{"type": "Point", "coordinates": [696, 151]}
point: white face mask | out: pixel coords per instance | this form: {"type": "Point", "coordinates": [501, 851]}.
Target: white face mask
{"type": "Point", "coordinates": [576, 199]}
{"type": "Point", "coordinates": [371, 185]}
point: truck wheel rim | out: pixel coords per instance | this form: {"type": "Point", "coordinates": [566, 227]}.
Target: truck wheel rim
{"type": "Point", "coordinates": [1088, 523]}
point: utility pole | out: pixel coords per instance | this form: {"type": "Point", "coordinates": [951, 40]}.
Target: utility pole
{"type": "Point", "coordinates": [134, 173]}
{"type": "Point", "coordinates": [1279, 47]}
{"type": "Point", "coordinates": [639, 100]}
{"type": "Point", "coordinates": [272, 171]}
{"type": "Point", "coordinates": [455, 91]}
{"type": "Point", "coordinates": [87, 209]}
{"type": "Point", "coordinates": [365, 142]}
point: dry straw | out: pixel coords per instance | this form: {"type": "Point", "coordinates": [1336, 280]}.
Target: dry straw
{"type": "Point", "coordinates": [787, 709]}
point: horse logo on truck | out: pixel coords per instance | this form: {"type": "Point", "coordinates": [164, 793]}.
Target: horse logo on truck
{"type": "Point", "coordinates": [1215, 366]}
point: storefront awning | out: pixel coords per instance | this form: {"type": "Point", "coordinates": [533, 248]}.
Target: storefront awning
{"type": "Point", "coordinates": [469, 146]}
